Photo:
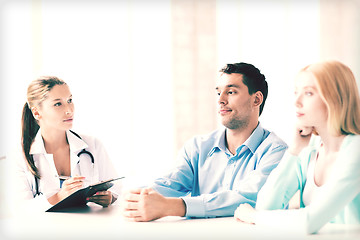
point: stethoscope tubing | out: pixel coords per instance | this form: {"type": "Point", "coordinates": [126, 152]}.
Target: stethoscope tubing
{"type": "Point", "coordinates": [84, 151]}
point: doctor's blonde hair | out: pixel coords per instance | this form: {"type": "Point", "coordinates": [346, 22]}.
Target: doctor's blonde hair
{"type": "Point", "coordinates": [339, 89]}
{"type": "Point", "coordinates": [37, 92]}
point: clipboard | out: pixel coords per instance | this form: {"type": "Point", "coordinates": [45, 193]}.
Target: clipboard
{"type": "Point", "coordinates": [77, 200]}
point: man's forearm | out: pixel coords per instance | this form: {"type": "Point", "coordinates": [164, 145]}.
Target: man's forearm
{"type": "Point", "coordinates": [175, 207]}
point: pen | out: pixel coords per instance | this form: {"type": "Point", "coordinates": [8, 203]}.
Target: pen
{"type": "Point", "coordinates": [64, 177]}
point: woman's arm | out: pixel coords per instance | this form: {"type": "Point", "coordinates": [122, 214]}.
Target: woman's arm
{"type": "Point", "coordinates": [339, 200]}
{"type": "Point", "coordinates": [284, 181]}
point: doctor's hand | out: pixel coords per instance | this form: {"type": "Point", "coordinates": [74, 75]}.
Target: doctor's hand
{"type": "Point", "coordinates": [103, 198]}
{"type": "Point", "coordinates": [142, 205]}
{"type": "Point", "coordinates": [69, 186]}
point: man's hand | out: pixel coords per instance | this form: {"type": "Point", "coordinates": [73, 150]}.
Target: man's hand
{"type": "Point", "coordinates": [245, 213]}
{"type": "Point", "coordinates": [142, 205]}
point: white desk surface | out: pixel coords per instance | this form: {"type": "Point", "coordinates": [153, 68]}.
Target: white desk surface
{"type": "Point", "coordinates": [108, 223]}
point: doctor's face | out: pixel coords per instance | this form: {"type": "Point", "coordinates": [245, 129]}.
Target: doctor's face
{"type": "Point", "coordinates": [57, 110]}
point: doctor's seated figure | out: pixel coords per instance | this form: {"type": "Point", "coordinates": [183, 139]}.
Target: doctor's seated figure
{"type": "Point", "coordinates": [54, 161]}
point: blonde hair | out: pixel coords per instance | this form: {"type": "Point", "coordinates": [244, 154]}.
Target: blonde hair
{"type": "Point", "coordinates": [339, 90]}
{"type": "Point", "coordinates": [37, 92]}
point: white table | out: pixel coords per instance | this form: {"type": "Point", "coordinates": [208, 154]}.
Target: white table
{"type": "Point", "coordinates": [108, 223]}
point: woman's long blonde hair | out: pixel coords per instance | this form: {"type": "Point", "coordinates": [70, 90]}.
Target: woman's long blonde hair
{"type": "Point", "coordinates": [341, 94]}
{"type": "Point", "coordinates": [37, 92]}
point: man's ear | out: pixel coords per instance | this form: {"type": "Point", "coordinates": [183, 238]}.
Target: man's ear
{"type": "Point", "coordinates": [36, 113]}
{"type": "Point", "coordinates": [258, 98]}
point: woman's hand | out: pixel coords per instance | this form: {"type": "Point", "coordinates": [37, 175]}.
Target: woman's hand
{"type": "Point", "coordinates": [69, 186]}
{"type": "Point", "coordinates": [301, 139]}
{"type": "Point", "coordinates": [103, 198]}
{"type": "Point", "coordinates": [245, 213]}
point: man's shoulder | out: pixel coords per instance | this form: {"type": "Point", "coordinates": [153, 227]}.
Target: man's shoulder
{"type": "Point", "coordinates": [272, 140]}
{"type": "Point", "coordinates": [204, 142]}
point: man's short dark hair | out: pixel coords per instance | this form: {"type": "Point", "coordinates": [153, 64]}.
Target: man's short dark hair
{"type": "Point", "coordinates": [252, 78]}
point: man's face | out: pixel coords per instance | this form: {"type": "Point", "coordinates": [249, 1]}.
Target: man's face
{"type": "Point", "coordinates": [234, 101]}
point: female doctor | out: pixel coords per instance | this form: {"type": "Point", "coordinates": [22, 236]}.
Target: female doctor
{"type": "Point", "coordinates": [50, 167]}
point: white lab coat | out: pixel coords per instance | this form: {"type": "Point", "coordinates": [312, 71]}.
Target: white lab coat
{"type": "Point", "coordinates": [24, 188]}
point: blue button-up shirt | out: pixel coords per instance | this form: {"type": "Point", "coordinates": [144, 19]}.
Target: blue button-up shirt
{"type": "Point", "coordinates": [212, 181]}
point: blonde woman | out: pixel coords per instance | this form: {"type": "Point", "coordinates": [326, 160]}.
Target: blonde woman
{"type": "Point", "coordinates": [55, 161]}
{"type": "Point", "coordinates": [325, 172]}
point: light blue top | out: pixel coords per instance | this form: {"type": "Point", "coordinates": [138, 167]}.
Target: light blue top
{"type": "Point", "coordinates": [338, 202]}
{"type": "Point", "coordinates": [212, 181]}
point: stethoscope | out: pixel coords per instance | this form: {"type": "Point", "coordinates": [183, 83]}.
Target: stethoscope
{"type": "Point", "coordinates": [84, 151]}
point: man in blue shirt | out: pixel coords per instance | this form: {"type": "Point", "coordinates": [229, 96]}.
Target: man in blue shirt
{"type": "Point", "coordinates": [223, 169]}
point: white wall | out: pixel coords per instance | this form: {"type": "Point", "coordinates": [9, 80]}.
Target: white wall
{"type": "Point", "coordinates": [278, 37]}
{"type": "Point", "coordinates": [115, 55]}
{"type": "Point", "coordinates": [118, 56]}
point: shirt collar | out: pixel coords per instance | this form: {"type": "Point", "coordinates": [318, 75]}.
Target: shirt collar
{"type": "Point", "coordinates": [38, 146]}
{"type": "Point", "coordinates": [255, 138]}
{"type": "Point", "coordinates": [252, 142]}
{"type": "Point", "coordinates": [219, 142]}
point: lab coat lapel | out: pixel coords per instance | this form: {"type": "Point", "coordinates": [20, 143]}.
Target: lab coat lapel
{"type": "Point", "coordinates": [40, 155]}
{"type": "Point", "coordinates": [76, 145]}
{"type": "Point", "coordinates": [38, 146]}
{"type": "Point", "coordinates": [49, 183]}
